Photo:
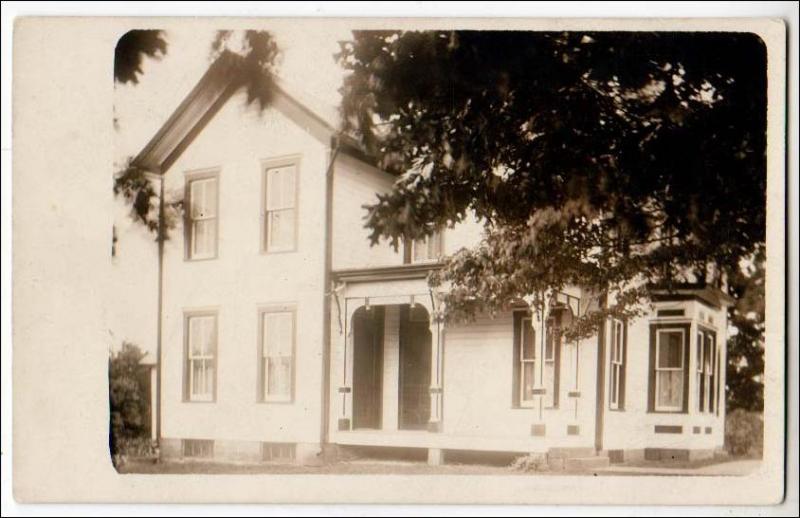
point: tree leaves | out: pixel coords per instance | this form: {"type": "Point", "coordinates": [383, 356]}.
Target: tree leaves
{"type": "Point", "coordinates": [610, 160]}
{"type": "Point", "coordinates": [131, 48]}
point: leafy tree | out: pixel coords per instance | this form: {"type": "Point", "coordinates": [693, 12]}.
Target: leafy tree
{"type": "Point", "coordinates": [608, 160]}
{"type": "Point", "coordinates": [131, 48]}
{"type": "Point", "coordinates": [127, 399]}
{"type": "Point", "coordinates": [745, 369]}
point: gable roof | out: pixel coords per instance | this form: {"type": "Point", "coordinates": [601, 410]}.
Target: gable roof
{"type": "Point", "coordinates": [208, 96]}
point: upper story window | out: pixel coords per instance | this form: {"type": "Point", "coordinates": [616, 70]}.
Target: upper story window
{"type": "Point", "coordinates": [280, 208]}
{"type": "Point", "coordinates": [201, 352]}
{"type": "Point", "coordinates": [425, 250]}
{"type": "Point", "coordinates": [201, 215]}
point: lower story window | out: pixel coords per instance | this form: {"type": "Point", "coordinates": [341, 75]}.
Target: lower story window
{"type": "Point", "coordinates": [277, 354]}
{"type": "Point", "coordinates": [669, 369]}
{"type": "Point", "coordinates": [201, 352]}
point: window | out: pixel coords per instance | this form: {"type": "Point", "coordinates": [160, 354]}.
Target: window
{"type": "Point", "coordinates": [706, 371]}
{"type": "Point", "coordinates": [201, 223]}
{"type": "Point", "coordinates": [280, 208]}
{"type": "Point", "coordinates": [669, 378]}
{"type": "Point", "coordinates": [201, 350]}
{"type": "Point", "coordinates": [277, 355]}
{"type": "Point", "coordinates": [425, 250]}
{"type": "Point", "coordinates": [617, 373]}
{"type": "Point", "coordinates": [700, 374]}
{"type": "Point", "coordinates": [527, 362]}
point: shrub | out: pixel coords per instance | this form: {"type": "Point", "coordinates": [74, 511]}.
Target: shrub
{"type": "Point", "coordinates": [128, 404]}
{"type": "Point", "coordinates": [530, 462]}
{"type": "Point", "coordinates": [744, 432]}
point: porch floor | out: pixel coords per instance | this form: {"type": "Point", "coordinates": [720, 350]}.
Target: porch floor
{"type": "Point", "coordinates": [443, 440]}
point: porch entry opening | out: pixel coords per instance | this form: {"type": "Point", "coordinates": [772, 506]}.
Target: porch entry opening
{"type": "Point", "coordinates": [374, 329]}
{"type": "Point", "coordinates": [415, 369]}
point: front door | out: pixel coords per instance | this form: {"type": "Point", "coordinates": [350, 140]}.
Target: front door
{"type": "Point", "coordinates": [367, 367]}
{"type": "Point", "coordinates": [415, 369]}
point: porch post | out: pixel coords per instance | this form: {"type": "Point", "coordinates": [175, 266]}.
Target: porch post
{"type": "Point", "coordinates": [539, 310]}
{"type": "Point", "coordinates": [437, 372]}
{"type": "Point", "coordinates": [345, 392]}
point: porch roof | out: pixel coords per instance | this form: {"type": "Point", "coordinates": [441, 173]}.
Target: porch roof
{"type": "Point", "coordinates": [386, 273]}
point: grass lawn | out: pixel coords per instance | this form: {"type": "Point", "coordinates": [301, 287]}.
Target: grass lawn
{"type": "Point", "coordinates": [334, 468]}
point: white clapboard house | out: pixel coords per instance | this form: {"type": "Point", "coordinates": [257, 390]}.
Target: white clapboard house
{"type": "Point", "coordinates": [283, 334]}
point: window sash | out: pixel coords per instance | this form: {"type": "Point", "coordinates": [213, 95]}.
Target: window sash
{"type": "Point", "coordinates": [427, 249]}
{"type": "Point", "coordinates": [277, 352]}
{"type": "Point", "coordinates": [203, 217]}
{"type": "Point", "coordinates": [674, 375]}
{"type": "Point", "coordinates": [617, 361]}
{"type": "Point", "coordinates": [201, 357]}
{"type": "Point", "coordinates": [280, 211]}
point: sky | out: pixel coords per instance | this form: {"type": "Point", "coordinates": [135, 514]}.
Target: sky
{"type": "Point", "coordinates": [305, 64]}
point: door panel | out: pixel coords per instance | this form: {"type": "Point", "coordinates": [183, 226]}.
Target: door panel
{"type": "Point", "coordinates": [368, 367]}
{"type": "Point", "coordinates": [415, 372]}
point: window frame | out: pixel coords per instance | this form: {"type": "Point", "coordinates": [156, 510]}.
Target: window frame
{"type": "Point", "coordinates": [707, 371]}
{"type": "Point", "coordinates": [410, 248]}
{"type": "Point", "coordinates": [188, 376]}
{"type": "Point", "coordinates": [266, 166]}
{"type": "Point", "coordinates": [261, 363]}
{"type": "Point", "coordinates": [682, 369]}
{"type": "Point", "coordinates": [191, 177]}
{"type": "Point", "coordinates": [617, 364]}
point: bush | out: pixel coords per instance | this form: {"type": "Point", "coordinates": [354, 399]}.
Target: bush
{"type": "Point", "coordinates": [530, 463]}
{"type": "Point", "coordinates": [128, 404]}
{"type": "Point", "coordinates": [744, 433]}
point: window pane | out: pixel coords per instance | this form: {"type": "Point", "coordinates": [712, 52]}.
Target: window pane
{"type": "Point", "coordinates": [205, 233]}
{"type": "Point", "coordinates": [274, 189]}
{"type": "Point", "coordinates": [527, 381]}
{"type": "Point", "coordinates": [528, 350]}
{"type": "Point", "coordinates": [210, 198]}
{"type": "Point", "coordinates": [280, 188]}
{"type": "Point", "coordinates": [287, 187]}
{"type": "Point", "coordinates": [279, 376]}
{"type": "Point", "coordinates": [709, 353]}
{"type": "Point", "coordinates": [549, 344]}
{"type": "Point", "coordinates": [670, 350]}
{"type": "Point", "coordinates": [197, 198]}
{"type": "Point", "coordinates": [700, 351]}
{"type": "Point", "coordinates": [281, 229]}
{"type": "Point", "coordinates": [670, 389]}
{"type": "Point", "coordinates": [614, 382]}
{"type": "Point", "coordinates": [278, 334]}
{"type": "Point", "coordinates": [198, 378]}
{"type": "Point", "coordinates": [420, 250]}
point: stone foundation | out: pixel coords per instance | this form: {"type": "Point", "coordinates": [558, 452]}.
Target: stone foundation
{"type": "Point", "coordinates": [307, 454]}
